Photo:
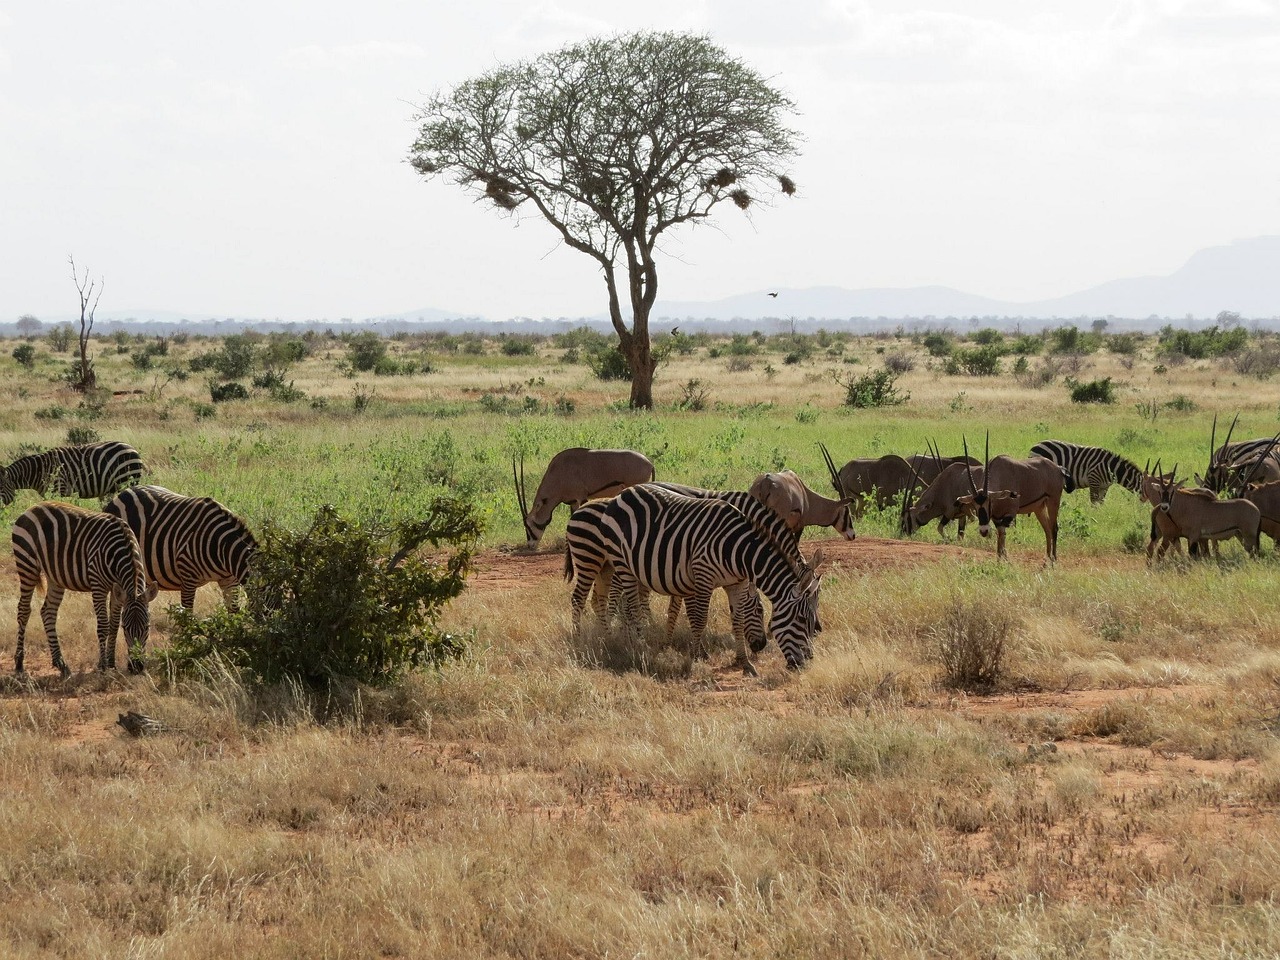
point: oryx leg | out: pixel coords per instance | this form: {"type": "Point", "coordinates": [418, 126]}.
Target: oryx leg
{"type": "Point", "coordinates": [1047, 514]}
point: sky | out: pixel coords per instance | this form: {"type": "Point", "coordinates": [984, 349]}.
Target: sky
{"type": "Point", "coordinates": [247, 159]}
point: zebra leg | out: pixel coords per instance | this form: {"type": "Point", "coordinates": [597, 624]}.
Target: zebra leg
{"type": "Point", "coordinates": [674, 606]}
{"type": "Point", "coordinates": [49, 616]}
{"type": "Point", "coordinates": [628, 589]}
{"type": "Point", "coordinates": [107, 612]}
{"type": "Point", "coordinates": [230, 596]}
{"type": "Point", "coordinates": [24, 615]}
{"type": "Point", "coordinates": [738, 600]}
{"type": "Point", "coordinates": [697, 608]}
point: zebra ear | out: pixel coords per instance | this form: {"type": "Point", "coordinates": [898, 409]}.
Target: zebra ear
{"type": "Point", "coordinates": [153, 589]}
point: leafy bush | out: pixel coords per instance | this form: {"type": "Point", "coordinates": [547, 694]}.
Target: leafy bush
{"type": "Point", "coordinates": [328, 603]}
{"type": "Point", "coordinates": [25, 354]}
{"type": "Point", "coordinates": [899, 362]}
{"type": "Point", "coordinates": [876, 389]}
{"type": "Point", "coordinates": [78, 436]}
{"type": "Point", "coordinates": [365, 350]}
{"type": "Point", "coordinates": [221, 392]}
{"type": "Point", "coordinates": [978, 362]}
{"type": "Point", "coordinates": [1125, 344]}
{"type": "Point", "coordinates": [938, 344]}
{"type": "Point", "coordinates": [1199, 344]}
{"type": "Point", "coordinates": [59, 338]}
{"type": "Point", "coordinates": [1027, 345]}
{"type": "Point", "coordinates": [987, 337]}
{"type": "Point", "coordinates": [236, 358]}
{"type": "Point", "coordinates": [1095, 391]}
{"type": "Point", "coordinates": [515, 345]}
{"type": "Point", "coordinates": [694, 397]}
{"type": "Point", "coordinates": [609, 364]}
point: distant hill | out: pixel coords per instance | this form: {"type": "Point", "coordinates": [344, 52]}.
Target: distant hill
{"type": "Point", "coordinates": [1243, 277]}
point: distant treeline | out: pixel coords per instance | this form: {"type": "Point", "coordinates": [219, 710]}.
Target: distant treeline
{"type": "Point", "coordinates": [768, 325]}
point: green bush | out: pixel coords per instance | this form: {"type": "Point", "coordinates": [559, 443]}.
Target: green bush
{"type": "Point", "coordinates": [876, 389]}
{"type": "Point", "coordinates": [25, 354]}
{"type": "Point", "coordinates": [938, 344]}
{"type": "Point", "coordinates": [1199, 344]}
{"type": "Point", "coordinates": [328, 604]}
{"type": "Point", "coordinates": [987, 337]}
{"type": "Point", "coordinates": [978, 362]}
{"type": "Point", "coordinates": [1095, 391]}
{"type": "Point", "coordinates": [221, 392]}
{"type": "Point", "coordinates": [515, 345]}
{"type": "Point", "coordinates": [366, 350]}
{"type": "Point", "coordinates": [1027, 345]}
{"type": "Point", "coordinates": [609, 364]}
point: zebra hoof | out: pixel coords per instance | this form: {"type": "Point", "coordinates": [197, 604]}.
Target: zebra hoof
{"type": "Point", "coordinates": [136, 666]}
{"type": "Point", "coordinates": [749, 670]}
{"type": "Point", "coordinates": [63, 669]}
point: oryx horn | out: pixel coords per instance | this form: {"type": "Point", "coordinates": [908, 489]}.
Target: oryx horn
{"type": "Point", "coordinates": [1253, 467]}
{"type": "Point", "coordinates": [520, 494]}
{"type": "Point", "coordinates": [968, 472]}
{"type": "Point", "coordinates": [835, 474]}
{"type": "Point", "coordinates": [986, 465]}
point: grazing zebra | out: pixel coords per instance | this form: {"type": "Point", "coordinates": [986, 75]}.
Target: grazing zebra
{"type": "Point", "coordinates": [76, 549]}
{"type": "Point", "coordinates": [685, 547]}
{"type": "Point", "coordinates": [745, 610]}
{"type": "Point", "coordinates": [92, 470]}
{"type": "Point", "coordinates": [187, 541]}
{"type": "Point", "coordinates": [1092, 467]}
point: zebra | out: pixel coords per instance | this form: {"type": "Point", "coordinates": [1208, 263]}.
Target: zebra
{"type": "Point", "coordinates": [745, 610]}
{"type": "Point", "coordinates": [187, 541]}
{"type": "Point", "coordinates": [92, 470]}
{"type": "Point", "coordinates": [1092, 467]}
{"type": "Point", "coordinates": [76, 549]}
{"type": "Point", "coordinates": [686, 547]}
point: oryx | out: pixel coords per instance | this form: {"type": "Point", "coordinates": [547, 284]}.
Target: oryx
{"type": "Point", "coordinates": [787, 495]}
{"type": "Point", "coordinates": [575, 476]}
{"type": "Point", "coordinates": [1198, 515]}
{"type": "Point", "coordinates": [1229, 462]}
{"type": "Point", "coordinates": [1033, 485]}
{"type": "Point", "coordinates": [881, 480]}
{"type": "Point", "coordinates": [940, 497]}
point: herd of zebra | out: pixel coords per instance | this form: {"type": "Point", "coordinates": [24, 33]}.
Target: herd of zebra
{"type": "Point", "coordinates": [146, 539]}
{"type": "Point", "coordinates": [630, 535]}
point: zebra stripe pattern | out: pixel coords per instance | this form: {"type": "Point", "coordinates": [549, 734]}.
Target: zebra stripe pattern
{"type": "Point", "coordinates": [91, 470]}
{"type": "Point", "coordinates": [685, 547]}
{"type": "Point", "coordinates": [187, 541]}
{"type": "Point", "coordinates": [596, 575]}
{"type": "Point", "coordinates": [1093, 467]}
{"type": "Point", "coordinates": [71, 548]}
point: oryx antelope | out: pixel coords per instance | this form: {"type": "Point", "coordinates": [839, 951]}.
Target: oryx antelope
{"type": "Point", "coordinates": [1093, 467]}
{"type": "Point", "coordinates": [91, 470]}
{"type": "Point", "coordinates": [881, 480]}
{"type": "Point", "coordinates": [1033, 485]}
{"type": "Point", "coordinates": [1266, 497]}
{"type": "Point", "coordinates": [575, 476]}
{"type": "Point", "coordinates": [1229, 462]}
{"type": "Point", "coordinates": [1197, 515]}
{"type": "Point", "coordinates": [187, 541]}
{"type": "Point", "coordinates": [787, 495]}
{"type": "Point", "coordinates": [71, 548]}
{"type": "Point", "coordinates": [680, 546]}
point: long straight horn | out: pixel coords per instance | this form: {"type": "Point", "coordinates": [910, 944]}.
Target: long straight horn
{"type": "Point", "coordinates": [968, 472]}
{"type": "Point", "coordinates": [520, 494]}
{"type": "Point", "coordinates": [1226, 444]}
{"type": "Point", "coordinates": [986, 465]}
{"type": "Point", "coordinates": [831, 466]}
{"type": "Point", "coordinates": [1253, 467]}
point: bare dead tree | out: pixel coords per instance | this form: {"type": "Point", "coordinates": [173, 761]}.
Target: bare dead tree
{"type": "Point", "coordinates": [85, 378]}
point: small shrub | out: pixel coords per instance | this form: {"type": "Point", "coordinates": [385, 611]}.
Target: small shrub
{"type": "Point", "coordinates": [514, 345]}
{"type": "Point", "coordinates": [970, 643]}
{"type": "Point", "coordinates": [937, 344]}
{"type": "Point", "coordinates": [978, 362]}
{"type": "Point", "coordinates": [362, 398]}
{"type": "Point", "coordinates": [59, 338]}
{"type": "Point", "coordinates": [609, 364]}
{"type": "Point", "coordinates": [987, 337]}
{"type": "Point", "coordinates": [1027, 345]}
{"type": "Point", "coordinates": [899, 363]}
{"type": "Point", "coordinates": [365, 351]}
{"type": "Point", "coordinates": [1134, 540]}
{"type": "Point", "coordinates": [222, 392]}
{"type": "Point", "coordinates": [876, 389]}
{"type": "Point", "coordinates": [694, 398]}
{"type": "Point", "coordinates": [1182, 403]}
{"type": "Point", "coordinates": [236, 358]}
{"type": "Point", "coordinates": [739, 365]}
{"type": "Point", "coordinates": [341, 600]}
{"type": "Point", "coordinates": [1095, 391]}
{"type": "Point", "coordinates": [1125, 344]}
{"type": "Point", "coordinates": [25, 354]}
{"type": "Point", "coordinates": [205, 411]}
{"type": "Point", "coordinates": [78, 436]}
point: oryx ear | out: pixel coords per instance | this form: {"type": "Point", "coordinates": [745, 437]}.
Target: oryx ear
{"type": "Point", "coordinates": [966, 501]}
{"type": "Point", "coordinates": [845, 501]}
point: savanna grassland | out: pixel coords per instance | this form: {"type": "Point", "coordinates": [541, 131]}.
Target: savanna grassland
{"type": "Point", "coordinates": [1113, 792]}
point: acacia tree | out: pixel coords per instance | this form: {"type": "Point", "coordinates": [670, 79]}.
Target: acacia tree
{"type": "Point", "coordinates": [614, 141]}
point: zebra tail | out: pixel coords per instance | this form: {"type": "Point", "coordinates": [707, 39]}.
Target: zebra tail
{"type": "Point", "coordinates": [568, 563]}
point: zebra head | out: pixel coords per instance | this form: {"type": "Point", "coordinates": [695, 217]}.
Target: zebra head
{"type": "Point", "coordinates": [795, 617]}
{"type": "Point", "coordinates": [135, 619]}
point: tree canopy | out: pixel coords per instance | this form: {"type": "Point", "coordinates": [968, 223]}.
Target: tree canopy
{"type": "Point", "coordinates": [614, 141]}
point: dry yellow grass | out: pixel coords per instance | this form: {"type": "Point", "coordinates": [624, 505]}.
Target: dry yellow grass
{"type": "Point", "coordinates": [519, 803]}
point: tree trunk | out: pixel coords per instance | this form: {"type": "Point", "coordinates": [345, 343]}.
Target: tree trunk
{"type": "Point", "coordinates": [640, 359]}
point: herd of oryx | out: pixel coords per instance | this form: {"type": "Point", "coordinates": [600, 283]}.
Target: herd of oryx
{"type": "Point", "coordinates": [630, 535]}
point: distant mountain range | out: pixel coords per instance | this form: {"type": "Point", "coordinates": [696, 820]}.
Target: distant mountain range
{"type": "Point", "coordinates": [1242, 277]}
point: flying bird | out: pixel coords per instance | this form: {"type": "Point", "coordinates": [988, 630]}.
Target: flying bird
{"type": "Point", "coordinates": [773, 294]}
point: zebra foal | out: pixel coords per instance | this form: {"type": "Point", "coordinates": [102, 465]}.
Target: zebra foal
{"type": "Point", "coordinates": [90, 470]}
{"type": "Point", "coordinates": [187, 542]}
{"type": "Point", "coordinates": [71, 548]}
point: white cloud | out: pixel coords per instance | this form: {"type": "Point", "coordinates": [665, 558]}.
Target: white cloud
{"type": "Point", "coordinates": [316, 56]}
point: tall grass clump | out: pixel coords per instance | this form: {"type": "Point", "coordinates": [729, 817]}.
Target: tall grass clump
{"type": "Point", "coordinates": [970, 641]}
{"type": "Point", "coordinates": [327, 604]}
